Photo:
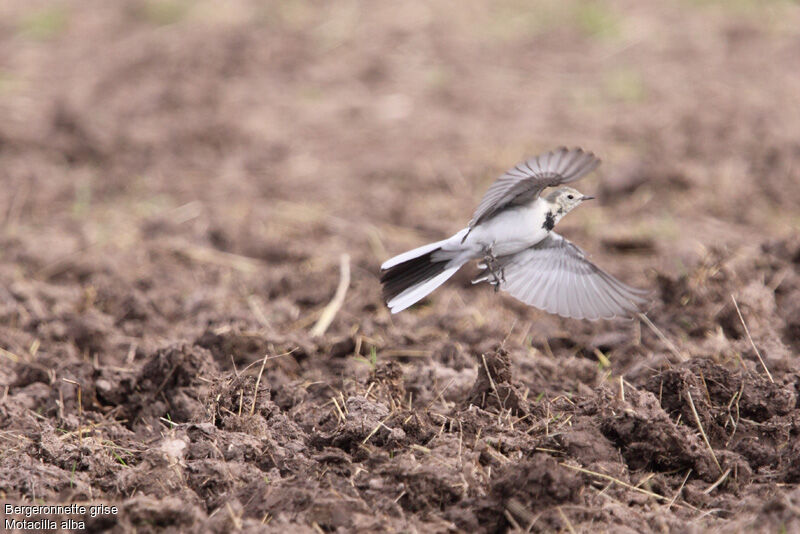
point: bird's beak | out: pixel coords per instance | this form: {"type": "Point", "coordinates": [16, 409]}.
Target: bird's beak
{"type": "Point", "coordinates": [587, 198]}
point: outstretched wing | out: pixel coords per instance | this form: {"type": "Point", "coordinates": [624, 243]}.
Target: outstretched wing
{"type": "Point", "coordinates": [524, 182]}
{"type": "Point", "coordinates": [555, 276]}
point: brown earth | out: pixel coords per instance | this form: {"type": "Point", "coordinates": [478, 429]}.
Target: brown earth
{"type": "Point", "coordinates": [180, 180]}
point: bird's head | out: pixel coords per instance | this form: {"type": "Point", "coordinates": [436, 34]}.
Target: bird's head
{"type": "Point", "coordinates": [566, 199]}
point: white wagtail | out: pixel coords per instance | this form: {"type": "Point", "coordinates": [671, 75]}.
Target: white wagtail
{"type": "Point", "coordinates": [512, 231]}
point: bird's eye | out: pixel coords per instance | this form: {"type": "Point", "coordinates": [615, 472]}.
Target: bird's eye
{"type": "Point", "coordinates": [570, 197]}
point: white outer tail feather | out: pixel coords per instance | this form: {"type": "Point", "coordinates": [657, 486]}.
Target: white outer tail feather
{"type": "Point", "coordinates": [424, 249]}
{"type": "Point", "coordinates": [419, 291]}
{"type": "Point", "coordinates": [415, 293]}
{"type": "Point", "coordinates": [411, 254]}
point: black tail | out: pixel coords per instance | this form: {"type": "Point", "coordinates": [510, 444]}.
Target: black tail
{"type": "Point", "coordinates": [402, 276]}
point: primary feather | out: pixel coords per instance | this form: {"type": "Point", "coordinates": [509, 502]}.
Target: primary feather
{"type": "Point", "coordinates": [525, 182]}
{"type": "Point", "coordinates": [555, 276]}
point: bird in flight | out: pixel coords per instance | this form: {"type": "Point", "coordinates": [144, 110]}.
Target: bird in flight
{"type": "Point", "coordinates": [512, 233]}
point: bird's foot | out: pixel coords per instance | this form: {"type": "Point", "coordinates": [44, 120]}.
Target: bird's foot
{"type": "Point", "coordinates": [498, 277]}
{"type": "Point", "coordinates": [498, 274]}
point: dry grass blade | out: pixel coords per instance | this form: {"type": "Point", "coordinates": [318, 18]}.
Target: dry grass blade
{"type": "Point", "coordinates": [503, 344]}
{"type": "Point", "coordinates": [566, 520]}
{"type": "Point", "coordinates": [10, 355]}
{"type": "Point", "coordinates": [339, 411]}
{"type": "Point", "coordinates": [15, 206]}
{"type": "Point", "coordinates": [491, 381]}
{"type": "Point", "coordinates": [258, 311]}
{"type": "Point", "coordinates": [513, 522]}
{"type": "Point", "coordinates": [702, 431]}
{"type": "Point", "coordinates": [517, 509]}
{"type": "Point", "coordinates": [218, 257]}
{"type": "Point", "coordinates": [750, 339]}
{"type": "Point", "coordinates": [497, 455]}
{"type": "Point", "coordinates": [258, 382]}
{"type": "Point", "coordinates": [438, 396]}
{"type": "Point", "coordinates": [670, 345]}
{"type": "Point", "coordinates": [377, 427]}
{"type": "Point", "coordinates": [680, 489]}
{"type": "Point", "coordinates": [614, 480]}
{"type": "Point", "coordinates": [719, 481]}
{"type": "Point", "coordinates": [335, 304]}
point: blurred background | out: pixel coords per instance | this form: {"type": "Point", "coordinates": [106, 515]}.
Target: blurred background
{"type": "Point", "coordinates": [385, 114]}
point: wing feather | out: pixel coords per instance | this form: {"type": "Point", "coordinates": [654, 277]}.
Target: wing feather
{"type": "Point", "coordinates": [560, 284]}
{"type": "Point", "coordinates": [607, 304]}
{"type": "Point", "coordinates": [554, 275]}
{"type": "Point", "coordinates": [525, 181]}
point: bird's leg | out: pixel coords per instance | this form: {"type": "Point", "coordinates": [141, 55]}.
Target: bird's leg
{"type": "Point", "coordinates": [499, 276]}
{"type": "Point", "coordinates": [490, 260]}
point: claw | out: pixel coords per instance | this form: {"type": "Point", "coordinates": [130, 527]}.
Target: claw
{"type": "Point", "coordinates": [490, 264]}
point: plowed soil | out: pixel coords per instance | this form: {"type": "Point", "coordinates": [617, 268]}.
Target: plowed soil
{"type": "Point", "coordinates": [184, 186]}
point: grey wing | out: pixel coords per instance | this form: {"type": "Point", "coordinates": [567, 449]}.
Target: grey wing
{"type": "Point", "coordinates": [524, 182]}
{"type": "Point", "coordinates": [554, 275]}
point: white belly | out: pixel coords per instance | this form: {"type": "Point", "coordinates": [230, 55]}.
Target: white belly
{"type": "Point", "coordinates": [512, 230]}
